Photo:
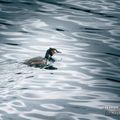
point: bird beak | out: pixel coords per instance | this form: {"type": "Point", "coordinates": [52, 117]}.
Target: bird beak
{"type": "Point", "coordinates": [58, 51]}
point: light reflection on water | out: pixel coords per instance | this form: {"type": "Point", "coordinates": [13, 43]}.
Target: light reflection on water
{"type": "Point", "coordinates": [87, 33]}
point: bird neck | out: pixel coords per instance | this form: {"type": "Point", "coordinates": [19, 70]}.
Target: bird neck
{"type": "Point", "coordinates": [47, 56]}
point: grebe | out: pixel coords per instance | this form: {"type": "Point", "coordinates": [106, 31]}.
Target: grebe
{"type": "Point", "coordinates": [43, 62]}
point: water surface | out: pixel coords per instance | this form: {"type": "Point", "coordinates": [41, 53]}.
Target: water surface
{"type": "Point", "coordinates": [88, 74]}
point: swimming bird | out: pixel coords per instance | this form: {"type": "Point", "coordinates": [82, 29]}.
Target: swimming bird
{"type": "Point", "coordinates": [43, 62]}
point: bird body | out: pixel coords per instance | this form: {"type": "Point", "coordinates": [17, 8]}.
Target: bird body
{"type": "Point", "coordinates": [42, 62]}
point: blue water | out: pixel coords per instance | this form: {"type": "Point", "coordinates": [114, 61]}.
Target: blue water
{"type": "Point", "coordinates": [86, 85]}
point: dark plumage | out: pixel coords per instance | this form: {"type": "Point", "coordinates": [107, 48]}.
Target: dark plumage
{"type": "Point", "coordinates": [42, 62]}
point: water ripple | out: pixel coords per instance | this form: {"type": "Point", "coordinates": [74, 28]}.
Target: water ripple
{"type": "Point", "coordinates": [87, 79]}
